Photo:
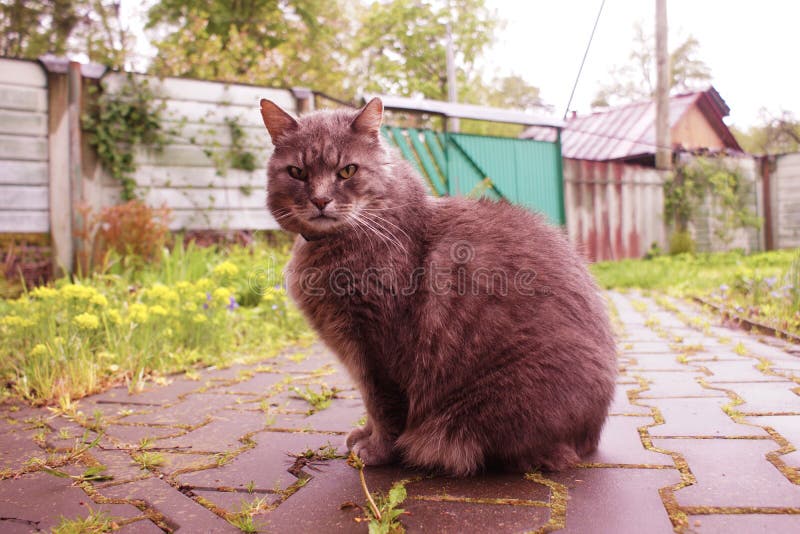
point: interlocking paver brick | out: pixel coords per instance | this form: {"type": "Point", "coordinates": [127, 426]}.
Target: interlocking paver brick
{"type": "Point", "coordinates": [152, 394]}
{"type": "Point", "coordinates": [342, 416]}
{"type": "Point", "coordinates": [260, 384]}
{"type": "Point", "coordinates": [39, 500]}
{"type": "Point", "coordinates": [732, 473]}
{"type": "Point", "coordinates": [660, 362]}
{"type": "Point", "coordinates": [317, 507]}
{"type": "Point", "coordinates": [766, 397]}
{"type": "Point", "coordinates": [133, 434]}
{"type": "Point", "coordinates": [622, 405]}
{"type": "Point", "coordinates": [675, 384]}
{"type": "Point", "coordinates": [745, 523]}
{"type": "Point", "coordinates": [743, 370]}
{"type": "Point", "coordinates": [17, 445]}
{"type": "Point", "coordinates": [223, 433]}
{"type": "Point", "coordinates": [194, 409]}
{"type": "Point", "coordinates": [181, 513]}
{"type": "Point", "coordinates": [458, 517]}
{"type": "Point", "coordinates": [788, 426]}
{"type": "Point", "coordinates": [620, 443]}
{"type": "Point", "coordinates": [698, 417]}
{"type": "Point", "coordinates": [648, 347]}
{"type": "Point", "coordinates": [621, 501]}
{"type": "Point", "coordinates": [265, 465]}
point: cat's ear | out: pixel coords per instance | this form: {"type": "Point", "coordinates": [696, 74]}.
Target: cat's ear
{"type": "Point", "coordinates": [368, 121]}
{"type": "Point", "coordinates": [277, 121]}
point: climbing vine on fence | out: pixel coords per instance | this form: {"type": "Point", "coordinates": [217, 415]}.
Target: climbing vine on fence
{"type": "Point", "coordinates": [687, 189]}
{"type": "Point", "coordinates": [118, 121]}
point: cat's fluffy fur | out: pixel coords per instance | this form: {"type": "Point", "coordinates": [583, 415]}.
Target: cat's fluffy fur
{"type": "Point", "coordinates": [456, 373]}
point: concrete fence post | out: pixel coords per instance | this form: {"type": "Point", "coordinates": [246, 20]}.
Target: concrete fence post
{"type": "Point", "coordinates": [60, 192]}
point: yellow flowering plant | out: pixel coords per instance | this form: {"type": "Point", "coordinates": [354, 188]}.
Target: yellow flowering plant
{"type": "Point", "coordinates": [194, 307]}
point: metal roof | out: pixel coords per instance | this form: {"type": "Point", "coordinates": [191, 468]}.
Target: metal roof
{"type": "Point", "coordinates": [466, 111]}
{"type": "Point", "coordinates": [628, 132]}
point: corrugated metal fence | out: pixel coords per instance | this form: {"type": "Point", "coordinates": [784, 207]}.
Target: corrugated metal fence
{"type": "Point", "coordinates": [522, 171]}
{"type": "Point", "coordinates": [614, 210]}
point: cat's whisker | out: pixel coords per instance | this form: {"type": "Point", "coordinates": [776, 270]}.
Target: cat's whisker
{"type": "Point", "coordinates": [385, 231]}
{"type": "Point", "coordinates": [367, 231]}
{"type": "Point", "coordinates": [353, 223]}
{"type": "Point", "coordinates": [387, 221]}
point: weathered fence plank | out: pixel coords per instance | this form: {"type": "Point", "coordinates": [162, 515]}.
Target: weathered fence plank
{"type": "Point", "coordinates": [23, 172]}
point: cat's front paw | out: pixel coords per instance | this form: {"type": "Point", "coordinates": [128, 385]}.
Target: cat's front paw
{"type": "Point", "coordinates": [357, 434]}
{"type": "Point", "coordinates": [373, 449]}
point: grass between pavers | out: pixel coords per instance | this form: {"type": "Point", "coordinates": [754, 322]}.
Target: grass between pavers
{"type": "Point", "coordinates": [195, 307]}
{"type": "Point", "coordinates": [764, 287]}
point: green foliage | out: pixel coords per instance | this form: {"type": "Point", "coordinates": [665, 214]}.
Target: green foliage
{"type": "Point", "coordinates": [681, 242]}
{"type": "Point", "coordinates": [240, 157]}
{"type": "Point", "coordinates": [387, 522]}
{"type": "Point", "coordinates": [29, 29]}
{"type": "Point", "coordinates": [121, 120]}
{"type": "Point", "coordinates": [763, 286]}
{"type": "Point", "coordinates": [94, 523]}
{"type": "Point", "coordinates": [709, 179]}
{"type": "Point", "coordinates": [244, 519]}
{"type": "Point", "coordinates": [774, 135]}
{"type": "Point", "coordinates": [382, 510]}
{"type": "Point", "coordinates": [278, 44]}
{"type": "Point", "coordinates": [402, 44]}
{"type": "Point", "coordinates": [236, 155]}
{"type": "Point", "coordinates": [636, 79]}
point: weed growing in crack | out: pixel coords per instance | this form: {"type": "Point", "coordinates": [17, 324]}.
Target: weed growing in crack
{"type": "Point", "coordinates": [318, 401]}
{"type": "Point", "coordinates": [382, 510]}
{"type": "Point", "coordinates": [149, 460]}
{"type": "Point", "coordinates": [95, 523]}
{"type": "Point", "coordinates": [244, 518]}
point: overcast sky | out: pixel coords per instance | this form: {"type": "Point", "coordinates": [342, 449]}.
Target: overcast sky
{"type": "Point", "coordinates": [751, 47]}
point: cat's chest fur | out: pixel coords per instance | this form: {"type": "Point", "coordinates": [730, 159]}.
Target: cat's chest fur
{"type": "Point", "coordinates": [346, 295]}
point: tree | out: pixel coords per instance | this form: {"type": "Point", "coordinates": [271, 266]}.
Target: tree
{"type": "Point", "coordinates": [401, 44]}
{"type": "Point", "coordinates": [296, 42]}
{"type": "Point", "coordinates": [775, 135]}
{"type": "Point", "coordinates": [636, 79]}
{"type": "Point", "coordinates": [29, 29]}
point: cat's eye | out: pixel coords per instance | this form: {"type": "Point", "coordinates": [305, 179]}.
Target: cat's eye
{"type": "Point", "coordinates": [348, 171]}
{"type": "Point", "coordinates": [296, 172]}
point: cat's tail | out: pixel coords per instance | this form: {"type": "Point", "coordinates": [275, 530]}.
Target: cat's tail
{"type": "Point", "coordinates": [433, 447]}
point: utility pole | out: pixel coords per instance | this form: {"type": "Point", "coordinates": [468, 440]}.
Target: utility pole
{"type": "Point", "coordinates": [663, 143]}
{"type": "Point", "coordinates": [453, 123]}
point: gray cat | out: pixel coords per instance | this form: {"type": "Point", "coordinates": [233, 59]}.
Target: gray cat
{"type": "Point", "coordinates": [472, 328]}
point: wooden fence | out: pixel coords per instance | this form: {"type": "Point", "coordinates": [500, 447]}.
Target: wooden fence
{"type": "Point", "coordinates": [24, 199]}
{"type": "Point", "coordinates": [48, 169]}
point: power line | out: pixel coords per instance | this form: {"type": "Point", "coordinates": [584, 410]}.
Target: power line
{"type": "Point", "coordinates": [585, 53]}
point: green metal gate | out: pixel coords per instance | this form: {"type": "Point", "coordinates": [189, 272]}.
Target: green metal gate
{"type": "Point", "coordinates": [522, 171]}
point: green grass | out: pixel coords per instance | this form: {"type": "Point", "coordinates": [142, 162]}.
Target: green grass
{"type": "Point", "coordinates": [763, 286]}
{"type": "Point", "coordinates": [318, 401]}
{"type": "Point", "coordinates": [195, 307]}
{"type": "Point", "coordinates": [94, 523]}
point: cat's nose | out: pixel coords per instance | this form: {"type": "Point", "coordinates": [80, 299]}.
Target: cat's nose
{"type": "Point", "coordinates": [321, 202]}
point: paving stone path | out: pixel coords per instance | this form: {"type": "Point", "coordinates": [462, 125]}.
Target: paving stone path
{"type": "Point", "coordinates": [700, 439]}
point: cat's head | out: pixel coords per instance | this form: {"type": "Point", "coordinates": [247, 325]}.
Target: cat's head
{"type": "Point", "coordinates": [327, 168]}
